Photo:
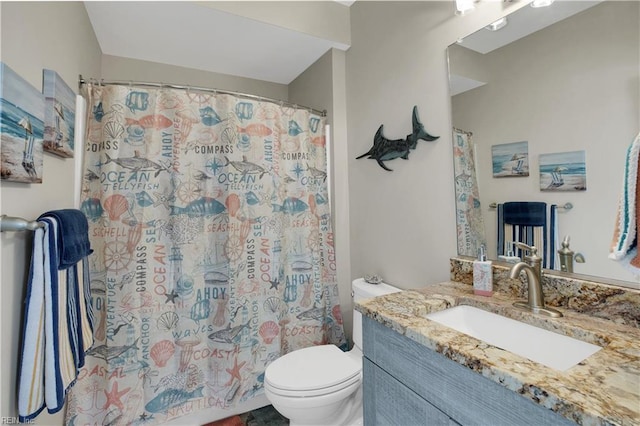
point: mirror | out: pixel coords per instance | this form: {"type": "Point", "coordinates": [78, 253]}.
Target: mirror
{"type": "Point", "coordinates": [571, 86]}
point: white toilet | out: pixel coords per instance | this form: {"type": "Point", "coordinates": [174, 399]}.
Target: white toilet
{"type": "Point", "coordinates": [321, 385]}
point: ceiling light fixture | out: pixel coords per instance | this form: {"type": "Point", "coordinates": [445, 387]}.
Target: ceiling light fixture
{"type": "Point", "coordinates": [464, 6]}
{"type": "Point", "coordinates": [497, 25]}
{"type": "Point", "coordinates": [541, 3]}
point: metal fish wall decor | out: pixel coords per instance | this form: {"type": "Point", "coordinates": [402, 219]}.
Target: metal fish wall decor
{"type": "Point", "coordinates": [384, 149]}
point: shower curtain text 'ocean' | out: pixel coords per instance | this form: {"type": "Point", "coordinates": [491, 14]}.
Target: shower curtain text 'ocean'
{"type": "Point", "coordinates": [214, 254]}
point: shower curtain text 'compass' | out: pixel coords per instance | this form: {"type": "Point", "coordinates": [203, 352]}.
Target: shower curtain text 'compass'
{"type": "Point", "coordinates": [213, 249]}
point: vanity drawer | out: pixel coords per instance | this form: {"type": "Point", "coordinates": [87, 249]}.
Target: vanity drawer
{"type": "Point", "coordinates": [389, 402]}
{"type": "Point", "coordinates": [460, 393]}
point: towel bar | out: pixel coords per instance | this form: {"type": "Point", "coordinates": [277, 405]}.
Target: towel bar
{"type": "Point", "coordinates": [566, 206]}
{"type": "Point", "coordinates": [9, 223]}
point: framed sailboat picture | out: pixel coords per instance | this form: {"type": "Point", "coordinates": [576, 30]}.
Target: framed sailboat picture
{"type": "Point", "coordinates": [21, 128]}
{"type": "Point", "coordinates": [59, 115]}
{"type": "Point", "coordinates": [563, 171]}
{"type": "Point", "coordinates": [510, 159]}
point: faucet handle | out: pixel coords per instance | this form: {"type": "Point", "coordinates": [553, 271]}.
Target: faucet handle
{"type": "Point", "coordinates": [523, 246]}
{"type": "Point", "coordinates": [533, 251]}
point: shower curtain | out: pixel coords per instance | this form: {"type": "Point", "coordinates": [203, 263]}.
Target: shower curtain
{"type": "Point", "coordinates": [213, 250]}
{"type": "Point", "coordinates": [469, 222]}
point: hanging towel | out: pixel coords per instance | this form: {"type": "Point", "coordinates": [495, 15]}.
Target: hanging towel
{"type": "Point", "coordinates": [626, 229]}
{"type": "Point", "coordinates": [525, 222]}
{"type": "Point", "coordinates": [73, 251]}
{"type": "Point", "coordinates": [554, 243]}
{"type": "Point", "coordinates": [57, 324]}
{"type": "Point", "coordinates": [73, 236]}
{"type": "Point", "coordinates": [31, 380]}
{"type": "Point", "coordinates": [525, 213]}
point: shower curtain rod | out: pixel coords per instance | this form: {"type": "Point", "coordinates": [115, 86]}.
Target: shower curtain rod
{"type": "Point", "coordinates": [103, 82]}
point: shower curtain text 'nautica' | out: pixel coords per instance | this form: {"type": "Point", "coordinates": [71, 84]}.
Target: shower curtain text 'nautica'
{"type": "Point", "coordinates": [214, 253]}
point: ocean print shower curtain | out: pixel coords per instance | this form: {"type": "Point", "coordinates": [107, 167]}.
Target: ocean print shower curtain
{"type": "Point", "coordinates": [469, 222]}
{"type": "Point", "coordinates": [213, 250]}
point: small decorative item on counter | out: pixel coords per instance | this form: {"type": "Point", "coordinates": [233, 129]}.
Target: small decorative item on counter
{"type": "Point", "coordinates": [482, 274]}
{"type": "Point", "coordinates": [510, 257]}
{"type": "Point", "coordinates": [373, 278]}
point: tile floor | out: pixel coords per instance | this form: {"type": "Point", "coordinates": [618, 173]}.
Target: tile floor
{"type": "Point", "coordinates": [265, 416]}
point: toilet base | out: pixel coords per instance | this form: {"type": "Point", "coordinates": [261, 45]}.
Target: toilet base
{"type": "Point", "coordinates": [344, 412]}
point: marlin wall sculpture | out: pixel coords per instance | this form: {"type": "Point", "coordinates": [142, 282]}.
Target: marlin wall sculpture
{"type": "Point", "coordinates": [384, 149]}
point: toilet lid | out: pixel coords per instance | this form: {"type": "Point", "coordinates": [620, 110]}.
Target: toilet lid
{"type": "Point", "coordinates": [312, 368]}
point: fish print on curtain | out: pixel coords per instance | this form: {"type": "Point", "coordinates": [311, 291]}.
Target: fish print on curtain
{"type": "Point", "coordinates": [214, 253]}
{"type": "Point", "coordinates": [469, 222]}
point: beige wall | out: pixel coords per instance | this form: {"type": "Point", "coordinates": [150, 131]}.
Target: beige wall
{"type": "Point", "coordinates": [403, 222]}
{"type": "Point", "coordinates": [37, 35]}
{"type": "Point", "coordinates": [581, 94]}
{"type": "Point", "coordinates": [118, 68]}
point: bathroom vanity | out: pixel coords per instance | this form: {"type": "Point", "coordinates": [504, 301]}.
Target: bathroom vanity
{"type": "Point", "coordinates": [417, 371]}
{"type": "Point", "coordinates": [408, 384]}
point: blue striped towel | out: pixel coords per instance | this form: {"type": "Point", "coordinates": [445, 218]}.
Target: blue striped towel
{"type": "Point", "coordinates": [526, 222]}
{"type": "Point", "coordinates": [58, 325]}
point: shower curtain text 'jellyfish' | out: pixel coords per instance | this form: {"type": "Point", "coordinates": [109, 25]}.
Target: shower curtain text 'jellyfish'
{"type": "Point", "coordinates": [214, 254]}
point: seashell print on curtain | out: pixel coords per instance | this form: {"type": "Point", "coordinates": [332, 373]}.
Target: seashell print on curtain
{"type": "Point", "coordinates": [469, 222]}
{"type": "Point", "coordinates": [213, 250]}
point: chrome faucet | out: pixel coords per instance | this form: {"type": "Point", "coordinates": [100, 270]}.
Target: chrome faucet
{"type": "Point", "coordinates": [532, 267]}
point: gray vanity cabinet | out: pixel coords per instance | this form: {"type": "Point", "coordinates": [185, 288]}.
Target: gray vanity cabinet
{"type": "Point", "coordinates": [407, 384]}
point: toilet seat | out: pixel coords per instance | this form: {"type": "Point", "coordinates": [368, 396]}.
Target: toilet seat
{"type": "Point", "coordinates": [332, 370]}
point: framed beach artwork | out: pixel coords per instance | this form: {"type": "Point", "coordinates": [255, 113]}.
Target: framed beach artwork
{"type": "Point", "coordinates": [510, 159]}
{"type": "Point", "coordinates": [563, 171]}
{"type": "Point", "coordinates": [59, 116]}
{"type": "Point", "coordinates": [21, 128]}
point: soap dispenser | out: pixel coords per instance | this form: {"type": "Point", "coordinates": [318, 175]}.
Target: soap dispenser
{"type": "Point", "coordinates": [482, 274]}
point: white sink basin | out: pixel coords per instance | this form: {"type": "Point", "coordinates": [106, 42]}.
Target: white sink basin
{"type": "Point", "coordinates": [545, 347]}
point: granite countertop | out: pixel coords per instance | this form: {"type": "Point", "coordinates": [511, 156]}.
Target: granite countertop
{"type": "Point", "coordinates": [603, 389]}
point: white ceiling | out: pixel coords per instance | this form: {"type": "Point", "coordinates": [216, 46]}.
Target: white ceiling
{"type": "Point", "coordinates": [184, 33]}
{"type": "Point", "coordinates": [523, 22]}
{"type": "Point", "coordinates": [194, 36]}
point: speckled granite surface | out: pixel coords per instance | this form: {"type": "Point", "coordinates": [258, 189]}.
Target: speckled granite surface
{"type": "Point", "coordinates": [603, 389]}
{"type": "Point", "coordinates": [610, 302]}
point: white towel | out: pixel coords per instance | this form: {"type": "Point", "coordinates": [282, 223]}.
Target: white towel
{"type": "Point", "coordinates": [59, 359]}
{"type": "Point", "coordinates": [529, 235]}
{"type": "Point", "coordinates": [625, 233]}
{"type": "Point", "coordinates": [31, 380]}
{"type": "Point", "coordinates": [57, 328]}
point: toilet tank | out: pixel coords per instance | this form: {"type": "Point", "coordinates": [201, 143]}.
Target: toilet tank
{"type": "Point", "coordinates": [363, 290]}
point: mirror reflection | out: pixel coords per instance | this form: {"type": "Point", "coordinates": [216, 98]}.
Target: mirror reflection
{"type": "Point", "coordinates": [570, 91]}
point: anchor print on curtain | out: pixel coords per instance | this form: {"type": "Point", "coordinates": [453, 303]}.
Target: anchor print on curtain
{"type": "Point", "coordinates": [214, 253]}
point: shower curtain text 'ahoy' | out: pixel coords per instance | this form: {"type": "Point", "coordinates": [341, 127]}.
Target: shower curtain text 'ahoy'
{"type": "Point", "coordinates": [214, 255]}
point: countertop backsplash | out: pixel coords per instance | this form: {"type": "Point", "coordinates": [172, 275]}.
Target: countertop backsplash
{"type": "Point", "coordinates": [602, 300]}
